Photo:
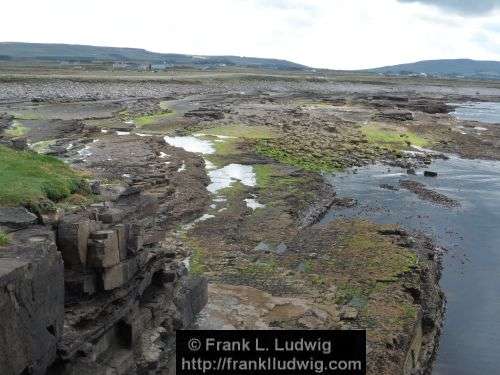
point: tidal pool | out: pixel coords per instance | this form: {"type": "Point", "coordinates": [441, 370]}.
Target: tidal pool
{"type": "Point", "coordinates": [471, 266]}
{"type": "Point", "coordinates": [224, 177]}
{"type": "Point", "coordinates": [478, 111]}
{"type": "Point", "coordinates": [220, 178]}
{"type": "Point", "coordinates": [191, 144]}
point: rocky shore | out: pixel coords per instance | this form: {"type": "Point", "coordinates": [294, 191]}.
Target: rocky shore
{"type": "Point", "coordinates": [198, 203]}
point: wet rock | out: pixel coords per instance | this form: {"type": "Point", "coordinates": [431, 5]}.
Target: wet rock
{"type": "Point", "coordinates": [430, 174]}
{"type": "Point", "coordinates": [16, 217]}
{"type": "Point", "coordinates": [388, 187]}
{"type": "Point", "coordinates": [426, 194]}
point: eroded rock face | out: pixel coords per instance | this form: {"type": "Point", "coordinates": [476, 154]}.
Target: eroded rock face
{"type": "Point", "coordinates": [31, 302]}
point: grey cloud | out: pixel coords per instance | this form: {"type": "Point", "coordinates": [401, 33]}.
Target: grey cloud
{"type": "Point", "coordinates": [463, 7]}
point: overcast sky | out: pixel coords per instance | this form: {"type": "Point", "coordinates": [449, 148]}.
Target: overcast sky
{"type": "Point", "coordinates": [339, 34]}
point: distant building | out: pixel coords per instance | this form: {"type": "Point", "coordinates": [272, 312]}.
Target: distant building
{"type": "Point", "coordinates": [120, 65]}
{"type": "Point", "coordinates": [161, 66]}
{"type": "Point", "coordinates": [145, 67]}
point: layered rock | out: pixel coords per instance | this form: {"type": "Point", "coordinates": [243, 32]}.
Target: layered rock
{"type": "Point", "coordinates": [31, 302]}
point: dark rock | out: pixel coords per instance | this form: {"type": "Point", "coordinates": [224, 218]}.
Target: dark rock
{"type": "Point", "coordinates": [430, 174]}
{"type": "Point", "coordinates": [394, 115]}
{"type": "Point", "coordinates": [31, 305]}
{"type": "Point", "coordinates": [191, 297]}
{"type": "Point", "coordinates": [95, 186]}
{"type": "Point", "coordinates": [388, 187]}
{"type": "Point", "coordinates": [72, 239]}
{"type": "Point", "coordinates": [16, 217]}
{"type": "Point", "coordinates": [20, 143]}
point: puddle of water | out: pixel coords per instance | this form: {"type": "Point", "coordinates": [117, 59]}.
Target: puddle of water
{"type": "Point", "coordinates": [209, 165]}
{"type": "Point", "coordinates": [478, 111]}
{"type": "Point", "coordinates": [122, 133]}
{"type": "Point", "coordinates": [224, 177]}
{"type": "Point", "coordinates": [471, 277]}
{"type": "Point", "coordinates": [253, 204]}
{"type": "Point", "coordinates": [191, 144]}
{"type": "Point", "coordinates": [220, 178]}
{"type": "Point", "coordinates": [85, 152]}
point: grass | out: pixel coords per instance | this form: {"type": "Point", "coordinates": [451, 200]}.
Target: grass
{"type": "Point", "coordinates": [4, 240]}
{"type": "Point", "coordinates": [236, 135]}
{"type": "Point", "coordinates": [146, 120]}
{"type": "Point", "coordinates": [196, 264]}
{"type": "Point", "coordinates": [17, 129]}
{"type": "Point", "coordinates": [395, 138]}
{"type": "Point", "coordinates": [42, 146]}
{"type": "Point", "coordinates": [306, 161]}
{"type": "Point", "coordinates": [27, 116]}
{"type": "Point", "coordinates": [27, 178]}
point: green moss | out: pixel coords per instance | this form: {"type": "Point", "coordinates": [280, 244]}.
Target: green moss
{"type": "Point", "coordinates": [27, 177]}
{"type": "Point", "coordinates": [196, 264]}
{"type": "Point", "coordinates": [228, 140]}
{"type": "Point", "coordinates": [17, 129]}
{"type": "Point", "coordinates": [146, 120]}
{"type": "Point", "coordinates": [393, 137]}
{"type": "Point", "coordinates": [378, 256]}
{"type": "Point", "coordinates": [260, 268]}
{"type": "Point", "coordinates": [27, 116]}
{"type": "Point", "coordinates": [409, 311]}
{"type": "Point", "coordinates": [307, 161]}
{"type": "Point", "coordinates": [4, 240]}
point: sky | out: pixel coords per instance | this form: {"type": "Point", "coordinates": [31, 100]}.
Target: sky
{"type": "Point", "coordinates": [336, 34]}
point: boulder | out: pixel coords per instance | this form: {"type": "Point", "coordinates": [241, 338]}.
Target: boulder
{"type": "Point", "coordinates": [16, 217]}
{"type": "Point", "coordinates": [191, 297]}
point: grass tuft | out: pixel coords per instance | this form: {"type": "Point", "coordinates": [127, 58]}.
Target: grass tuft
{"type": "Point", "coordinates": [27, 178]}
{"type": "Point", "coordinates": [394, 138]}
{"type": "Point", "coordinates": [152, 119]}
{"type": "Point", "coordinates": [17, 129]}
{"type": "Point", "coordinates": [4, 240]}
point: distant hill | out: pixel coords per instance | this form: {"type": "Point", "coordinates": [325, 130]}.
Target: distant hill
{"type": "Point", "coordinates": [454, 68]}
{"type": "Point", "coordinates": [83, 53]}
